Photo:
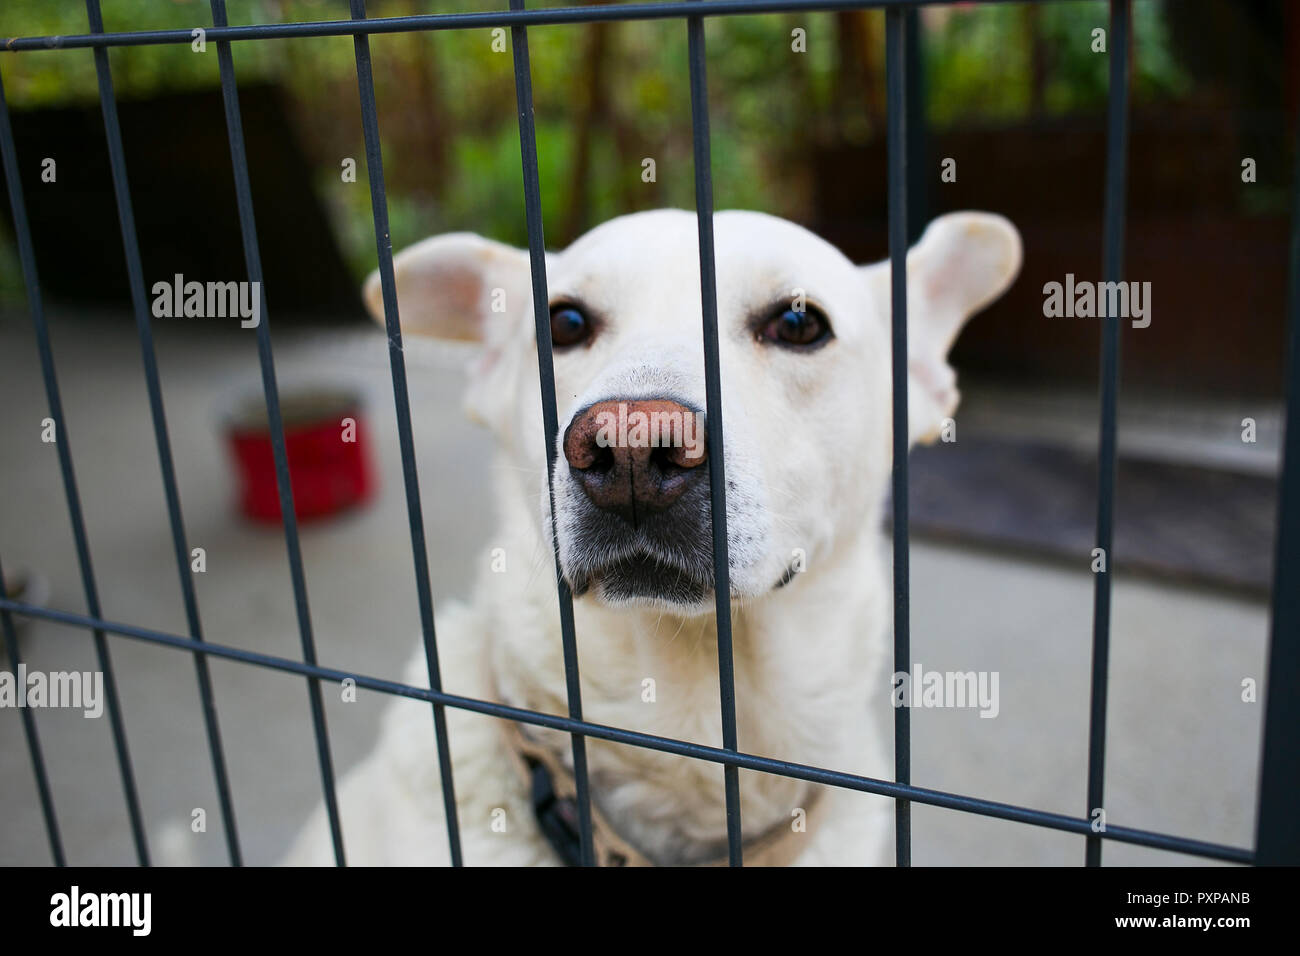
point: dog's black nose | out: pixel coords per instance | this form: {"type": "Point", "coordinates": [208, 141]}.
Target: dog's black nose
{"type": "Point", "coordinates": [636, 458]}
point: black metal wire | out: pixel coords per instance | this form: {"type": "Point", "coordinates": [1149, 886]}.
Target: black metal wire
{"type": "Point", "coordinates": [402, 402]}
{"type": "Point", "coordinates": [671, 10]}
{"type": "Point", "coordinates": [821, 775]}
{"type": "Point", "coordinates": [289, 518]}
{"type": "Point", "coordinates": [1277, 830]}
{"type": "Point", "coordinates": [1277, 838]}
{"type": "Point", "coordinates": [896, 146]}
{"type": "Point", "coordinates": [29, 719]}
{"type": "Point", "coordinates": [713, 425]}
{"type": "Point", "coordinates": [1112, 269]}
{"type": "Point", "coordinates": [27, 257]}
{"type": "Point", "coordinates": [75, 516]}
{"type": "Point", "coordinates": [158, 416]}
{"type": "Point", "coordinates": [550, 417]}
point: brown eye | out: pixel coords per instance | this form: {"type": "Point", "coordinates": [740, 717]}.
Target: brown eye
{"type": "Point", "coordinates": [807, 329]}
{"type": "Point", "coordinates": [569, 326]}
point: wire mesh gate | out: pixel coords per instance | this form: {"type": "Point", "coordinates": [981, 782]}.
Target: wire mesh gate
{"type": "Point", "coordinates": [1278, 827]}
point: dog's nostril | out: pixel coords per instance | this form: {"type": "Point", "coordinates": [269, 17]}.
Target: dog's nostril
{"type": "Point", "coordinates": [671, 462]}
{"type": "Point", "coordinates": [602, 460]}
{"type": "Point", "coordinates": [661, 460]}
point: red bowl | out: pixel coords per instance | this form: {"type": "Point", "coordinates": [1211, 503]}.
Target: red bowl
{"type": "Point", "coordinates": [327, 440]}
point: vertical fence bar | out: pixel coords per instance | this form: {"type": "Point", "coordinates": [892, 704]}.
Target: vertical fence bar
{"type": "Point", "coordinates": [75, 516]}
{"type": "Point", "coordinates": [253, 263]}
{"type": "Point", "coordinates": [713, 425]}
{"type": "Point", "coordinates": [1277, 826]}
{"type": "Point", "coordinates": [550, 416]}
{"type": "Point", "coordinates": [9, 157]}
{"type": "Point", "coordinates": [33, 740]}
{"type": "Point", "coordinates": [401, 399]}
{"type": "Point", "coordinates": [896, 146]}
{"type": "Point", "coordinates": [171, 493]}
{"type": "Point", "coordinates": [1112, 269]}
{"type": "Point", "coordinates": [918, 147]}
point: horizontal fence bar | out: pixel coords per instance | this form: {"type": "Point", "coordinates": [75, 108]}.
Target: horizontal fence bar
{"type": "Point", "coordinates": [681, 748]}
{"type": "Point", "coordinates": [675, 9]}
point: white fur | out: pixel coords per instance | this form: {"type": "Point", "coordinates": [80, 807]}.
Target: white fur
{"type": "Point", "coordinates": [807, 438]}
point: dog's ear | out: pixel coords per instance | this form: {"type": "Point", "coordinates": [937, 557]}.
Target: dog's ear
{"type": "Point", "coordinates": [465, 288]}
{"type": "Point", "coordinates": [449, 286]}
{"type": "Point", "coordinates": [963, 262]}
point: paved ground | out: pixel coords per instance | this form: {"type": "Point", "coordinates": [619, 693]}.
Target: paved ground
{"type": "Point", "coordinates": [1183, 746]}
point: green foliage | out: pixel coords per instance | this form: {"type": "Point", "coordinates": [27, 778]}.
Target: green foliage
{"type": "Point", "coordinates": [448, 116]}
{"type": "Point", "coordinates": [979, 63]}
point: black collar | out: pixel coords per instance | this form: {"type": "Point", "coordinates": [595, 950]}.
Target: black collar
{"type": "Point", "coordinates": [557, 817]}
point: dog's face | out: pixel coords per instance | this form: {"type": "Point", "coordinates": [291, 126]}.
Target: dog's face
{"type": "Point", "coordinates": [804, 351]}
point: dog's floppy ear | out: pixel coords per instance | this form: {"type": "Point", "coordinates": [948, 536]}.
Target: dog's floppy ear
{"type": "Point", "coordinates": [448, 286]}
{"type": "Point", "coordinates": [465, 288]}
{"type": "Point", "coordinates": [963, 262]}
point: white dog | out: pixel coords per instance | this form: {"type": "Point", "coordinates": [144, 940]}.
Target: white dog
{"type": "Point", "coordinates": [805, 362]}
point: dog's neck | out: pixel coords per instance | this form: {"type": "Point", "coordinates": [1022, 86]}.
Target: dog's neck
{"type": "Point", "coordinates": [806, 658]}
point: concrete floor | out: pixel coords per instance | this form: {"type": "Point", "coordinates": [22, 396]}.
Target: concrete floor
{"type": "Point", "coordinates": [1183, 746]}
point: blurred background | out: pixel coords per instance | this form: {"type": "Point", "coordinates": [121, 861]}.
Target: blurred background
{"type": "Point", "coordinates": [1003, 517]}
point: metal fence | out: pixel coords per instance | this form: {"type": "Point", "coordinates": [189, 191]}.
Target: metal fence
{"type": "Point", "coordinates": [1278, 829]}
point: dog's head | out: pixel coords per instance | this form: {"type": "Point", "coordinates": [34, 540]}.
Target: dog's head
{"type": "Point", "coordinates": [804, 350]}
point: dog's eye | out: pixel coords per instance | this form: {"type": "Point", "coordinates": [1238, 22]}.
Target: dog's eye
{"type": "Point", "coordinates": [796, 329]}
{"type": "Point", "coordinates": [569, 326]}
